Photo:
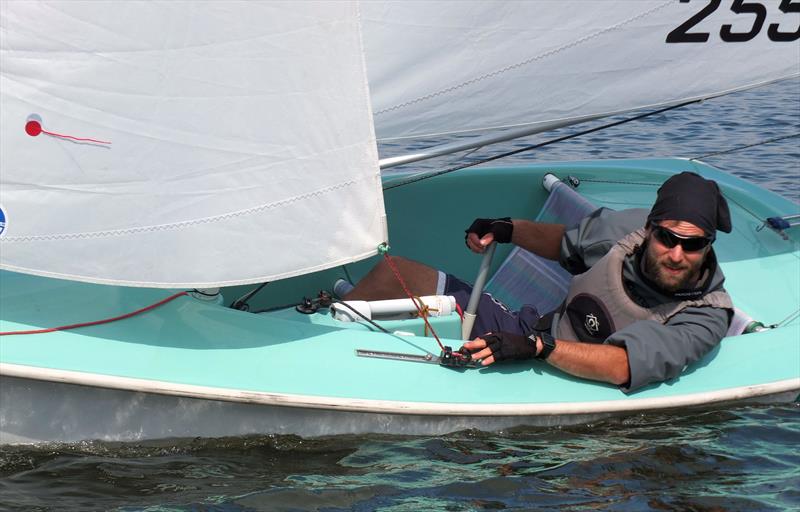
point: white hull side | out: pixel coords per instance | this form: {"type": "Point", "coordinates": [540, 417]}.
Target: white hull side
{"type": "Point", "coordinates": [33, 411]}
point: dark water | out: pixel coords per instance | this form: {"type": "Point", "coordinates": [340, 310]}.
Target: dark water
{"type": "Point", "coordinates": [732, 459]}
{"type": "Point", "coordinates": [743, 458]}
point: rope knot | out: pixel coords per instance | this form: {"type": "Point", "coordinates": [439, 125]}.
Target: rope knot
{"type": "Point", "coordinates": [423, 311]}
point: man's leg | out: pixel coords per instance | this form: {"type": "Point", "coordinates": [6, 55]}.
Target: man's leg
{"type": "Point", "coordinates": [492, 316]}
{"type": "Point", "coordinates": [381, 282]}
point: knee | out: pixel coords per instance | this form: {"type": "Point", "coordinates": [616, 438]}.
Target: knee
{"type": "Point", "coordinates": [398, 261]}
{"type": "Point", "coordinates": [384, 269]}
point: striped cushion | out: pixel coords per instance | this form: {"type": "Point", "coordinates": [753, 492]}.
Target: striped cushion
{"type": "Point", "coordinates": [525, 278]}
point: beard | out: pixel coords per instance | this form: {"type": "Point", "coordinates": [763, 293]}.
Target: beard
{"type": "Point", "coordinates": [668, 275]}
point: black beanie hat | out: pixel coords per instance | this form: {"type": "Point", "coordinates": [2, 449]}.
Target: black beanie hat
{"type": "Point", "coordinates": [690, 197]}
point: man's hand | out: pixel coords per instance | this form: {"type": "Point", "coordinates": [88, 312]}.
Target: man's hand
{"type": "Point", "coordinates": [483, 232]}
{"type": "Point", "coordinates": [501, 346]}
{"type": "Point", "coordinates": [603, 362]}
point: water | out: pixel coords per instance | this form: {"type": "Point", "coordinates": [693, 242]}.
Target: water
{"type": "Point", "coordinates": [735, 459]}
{"type": "Point", "coordinates": [715, 125]}
{"type": "Point", "coordinates": [742, 458]}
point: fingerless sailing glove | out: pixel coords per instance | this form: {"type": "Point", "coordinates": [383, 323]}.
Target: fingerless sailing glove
{"type": "Point", "coordinates": [500, 228]}
{"type": "Point", "coordinates": [506, 345]}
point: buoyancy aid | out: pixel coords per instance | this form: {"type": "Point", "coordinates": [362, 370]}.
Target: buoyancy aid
{"type": "Point", "coordinates": [597, 304]}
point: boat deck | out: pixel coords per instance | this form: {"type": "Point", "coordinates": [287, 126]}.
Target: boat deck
{"type": "Point", "coordinates": [199, 349]}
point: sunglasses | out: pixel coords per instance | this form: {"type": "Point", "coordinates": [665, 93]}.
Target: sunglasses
{"type": "Point", "coordinates": [689, 243]}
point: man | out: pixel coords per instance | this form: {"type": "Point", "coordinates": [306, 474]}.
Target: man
{"type": "Point", "coordinates": [646, 300]}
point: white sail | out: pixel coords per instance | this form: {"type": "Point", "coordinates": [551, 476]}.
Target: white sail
{"type": "Point", "coordinates": [185, 144]}
{"type": "Point", "coordinates": [231, 141]}
{"type": "Point", "coordinates": [439, 68]}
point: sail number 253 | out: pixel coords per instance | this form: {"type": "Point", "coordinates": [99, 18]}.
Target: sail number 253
{"type": "Point", "coordinates": [755, 10]}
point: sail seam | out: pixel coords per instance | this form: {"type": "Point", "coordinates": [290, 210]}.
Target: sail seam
{"type": "Point", "coordinates": [525, 62]}
{"type": "Point", "coordinates": [176, 225]}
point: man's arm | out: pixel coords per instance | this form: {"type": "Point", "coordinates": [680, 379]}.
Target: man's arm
{"type": "Point", "coordinates": [644, 352]}
{"type": "Point", "coordinates": [605, 363]}
{"type": "Point", "coordinates": [537, 237]}
{"type": "Point", "coordinates": [658, 352]}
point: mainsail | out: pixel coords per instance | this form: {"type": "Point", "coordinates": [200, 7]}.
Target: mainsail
{"type": "Point", "coordinates": [185, 144]}
{"type": "Point", "coordinates": [175, 144]}
{"type": "Point", "coordinates": [456, 68]}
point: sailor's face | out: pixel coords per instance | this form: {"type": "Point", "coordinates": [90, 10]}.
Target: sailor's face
{"type": "Point", "coordinates": [674, 268]}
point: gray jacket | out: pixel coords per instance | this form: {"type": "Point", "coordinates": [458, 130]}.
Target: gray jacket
{"type": "Point", "coordinates": [656, 351]}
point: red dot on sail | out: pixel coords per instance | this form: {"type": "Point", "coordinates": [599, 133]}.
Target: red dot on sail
{"type": "Point", "coordinates": [33, 128]}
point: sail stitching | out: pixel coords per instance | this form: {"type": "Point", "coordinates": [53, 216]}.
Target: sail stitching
{"type": "Point", "coordinates": [510, 67]}
{"type": "Point", "coordinates": [175, 225]}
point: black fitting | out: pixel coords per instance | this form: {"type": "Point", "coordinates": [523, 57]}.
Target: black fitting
{"type": "Point", "coordinates": [457, 359]}
{"type": "Point", "coordinates": [307, 307]}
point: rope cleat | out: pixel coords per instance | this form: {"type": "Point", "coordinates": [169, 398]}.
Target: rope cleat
{"type": "Point", "coordinates": [458, 359]}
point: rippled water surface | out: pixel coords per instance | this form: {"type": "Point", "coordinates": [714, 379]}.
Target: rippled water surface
{"type": "Point", "coordinates": [697, 130]}
{"type": "Point", "coordinates": [743, 458]}
{"type": "Point", "coordinates": [734, 459]}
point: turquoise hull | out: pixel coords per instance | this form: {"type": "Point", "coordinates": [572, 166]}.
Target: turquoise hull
{"type": "Point", "coordinates": [287, 372]}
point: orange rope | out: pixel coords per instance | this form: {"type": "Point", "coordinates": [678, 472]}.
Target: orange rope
{"type": "Point", "coordinates": [424, 311]}
{"type": "Point", "coordinates": [413, 299]}
{"type": "Point", "coordinates": [97, 322]}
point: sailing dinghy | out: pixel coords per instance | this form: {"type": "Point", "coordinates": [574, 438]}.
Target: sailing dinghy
{"type": "Point", "coordinates": [158, 168]}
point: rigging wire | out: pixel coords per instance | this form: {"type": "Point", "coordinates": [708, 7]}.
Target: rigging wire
{"type": "Point", "coordinates": [739, 148]}
{"type": "Point", "coordinates": [788, 319]}
{"type": "Point", "coordinates": [744, 208]}
{"type": "Point", "coordinates": [347, 274]}
{"type": "Point", "coordinates": [620, 182]}
{"type": "Point", "coordinates": [364, 317]}
{"type": "Point", "coordinates": [274, 308]}
{"type": "Point", "coordinates": [531, 147]}
{"type": "Point", "coordinates": [241, 303]}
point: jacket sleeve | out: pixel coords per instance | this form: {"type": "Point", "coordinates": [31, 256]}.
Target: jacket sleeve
{"type": "Point", "coordinates": [658, 352]}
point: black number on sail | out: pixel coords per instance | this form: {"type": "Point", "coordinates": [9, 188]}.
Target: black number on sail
{"type": "Point", "coordinates": [739, 7]}
{"type": "Point", "coordinates": [774, 33]}
{"type": "Point", "coordinates": [681, 34]}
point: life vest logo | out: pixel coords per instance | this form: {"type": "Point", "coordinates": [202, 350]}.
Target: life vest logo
{"type": "Point", "coordinates": [2, 221]}
{"type": "Point", "coordinates": [590, 318]}
{"type": "Point", "coordinates": [592, 324]}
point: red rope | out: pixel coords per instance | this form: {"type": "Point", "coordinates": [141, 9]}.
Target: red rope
{"type": "Point", "coordinates": [97, 322]}
{"type": "Point", "coordinates": [75, 138]}
{"type": "Point", "coordinates": [33, 128]}
{"type": "Point", "coordinates": [413, 299]}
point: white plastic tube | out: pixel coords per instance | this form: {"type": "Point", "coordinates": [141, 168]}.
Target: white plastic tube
{"type": "Point", "coordinates": [438, 305]}
{"type": "Point", "coordinates": [549, 181]}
